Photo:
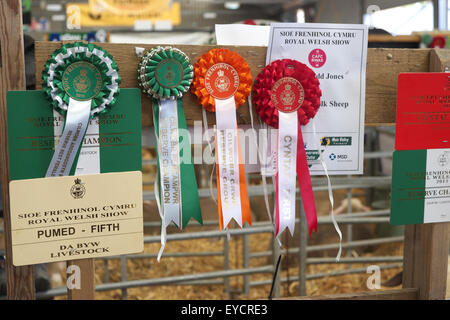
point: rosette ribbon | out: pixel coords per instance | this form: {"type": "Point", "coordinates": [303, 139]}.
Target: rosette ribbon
{"type": "Point", "coordinates": [82, 81]}
{"type": "Point", "coordinates": [222, 82]}
{"type": "Point", "coordinates": [286, 95]}
{"type": "Point", "coordinates": [165, 74]}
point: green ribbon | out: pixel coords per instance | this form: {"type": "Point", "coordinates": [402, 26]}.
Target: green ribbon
{"type": "Point", "coordinates": [158, 78]}
{"type": "Point", "coordinates": [189, 187]}
{"type": "Point", "coordinates": [106, 70]}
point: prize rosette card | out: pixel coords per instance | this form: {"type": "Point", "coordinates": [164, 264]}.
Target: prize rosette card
{"type": "Point", "coordinates": [423, 111]}
{"type": "Point", "coordinates": [32, 125]}
{"type": "Point", "coordinates": [81, 124]}
{"type": "Point", "coordinates": [82, 106]}
{"type": "Point", "coordinates": [420, 186]}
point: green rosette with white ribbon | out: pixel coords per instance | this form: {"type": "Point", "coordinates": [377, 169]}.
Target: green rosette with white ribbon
{"type": "Point", "coordinates": [165, 74]}
{"type": "Point", "coordinates": [82, 81]}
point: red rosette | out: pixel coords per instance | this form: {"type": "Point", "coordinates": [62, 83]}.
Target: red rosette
{"type": "Point", "coordinates": [438, 42]}
{"type": "Point", "coordinates": [265, 81]}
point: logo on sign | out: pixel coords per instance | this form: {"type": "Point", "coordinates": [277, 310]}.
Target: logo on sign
{"type": "Point", "coordinates": [443, 159]}
{"type": "Point", "coordinates": [325, 141]}
{"type": "Point", "coordinates": [78, 190]}
{"type": "Point", "coordinates": [317, 58]}
{"type": "Point", "coordinates": [339, 157]}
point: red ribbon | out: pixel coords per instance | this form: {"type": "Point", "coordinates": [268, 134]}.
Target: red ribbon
{"type": "Point", "coordinates": [269, 114]}
{"type": "Point", "coordinates": [304, 181]}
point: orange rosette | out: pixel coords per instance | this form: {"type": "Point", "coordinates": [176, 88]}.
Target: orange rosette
{"type": "Point", "coordinates": [209, 84]}
{"type": "Point", "coordinates": [222, 82]}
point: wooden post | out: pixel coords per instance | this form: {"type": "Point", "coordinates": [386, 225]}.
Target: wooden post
{"type": "Point", "coordinates": [20, 282]}
{"type": "Point", "coordinates": [426, 245]}
{"type": "Point", "coordinates": [87, 281]}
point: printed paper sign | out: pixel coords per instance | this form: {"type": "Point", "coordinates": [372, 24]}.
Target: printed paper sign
{"type": "Point", "coordinates": [242, 35]}
{"type": "Point", "coordinates": [76, 217]}
{"type": "Point", "coordinates": [337, 53]}
{"type": "Point", "coordinates": [423, 114]}
{"type": "Point", "coordinates": [420, 186]}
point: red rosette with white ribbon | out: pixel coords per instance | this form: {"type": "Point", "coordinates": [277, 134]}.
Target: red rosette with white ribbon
{"type": "Point", "coordinates": [286, 95]}
{"type": "Point", "coordinates": [280, 69]}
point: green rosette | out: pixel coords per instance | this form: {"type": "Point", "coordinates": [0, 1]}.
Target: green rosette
{"type": "Point", "coordinates": [82, 72]}
{"type": "Point", "coordinates": [165, 73]}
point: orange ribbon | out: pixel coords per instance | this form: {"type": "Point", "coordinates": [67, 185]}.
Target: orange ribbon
{"type": "Point", "coordinates": [205, 62]}
{"type": "Point", "coordinates": [245, 204]}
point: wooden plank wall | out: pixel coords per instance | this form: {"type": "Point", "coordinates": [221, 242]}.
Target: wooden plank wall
{"type": "Point", "coordinates": [383, 66]}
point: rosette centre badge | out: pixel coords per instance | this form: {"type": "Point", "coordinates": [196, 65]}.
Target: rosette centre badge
{"type": "Point", "coordinates": [82, 81]}
{"type": "Point", "coordinates": [287, 95]}
{"type": "Point", "coordinates": [221, 81]}
{"type": "Point", "coordinates": [169, 73]}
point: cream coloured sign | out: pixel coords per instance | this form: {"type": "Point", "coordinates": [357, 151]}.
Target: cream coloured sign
{"type": "Point", "coordinates": [76, 217]}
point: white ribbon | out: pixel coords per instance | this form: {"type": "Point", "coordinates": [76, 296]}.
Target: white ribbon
{"type": "Point", "coordinates": [169, 162]}
{"type": "Point", "coordinates": [330, 191]}
{"type": "Point", "coordinates": [161, 214]}
{"type": "Point", "coordinates": [208, 139]}
{"type": "Point", "coordinates": [158, 203]}
{"type": "Point", "coordinates": [228, 159]}
{"type": "Point", "coordinates": [76, 123]}
{"type": "Point", "coordinates": [89, 158]}
{"type": "Point", "coordinates": [287, 165]}
{"type": "Point", "coordinates": [270, 149]}
{"type": "Point", "coordinates": [263, 162]}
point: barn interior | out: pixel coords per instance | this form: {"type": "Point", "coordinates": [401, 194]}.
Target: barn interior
{"type": "Point", "coordinates": [201, 261]}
